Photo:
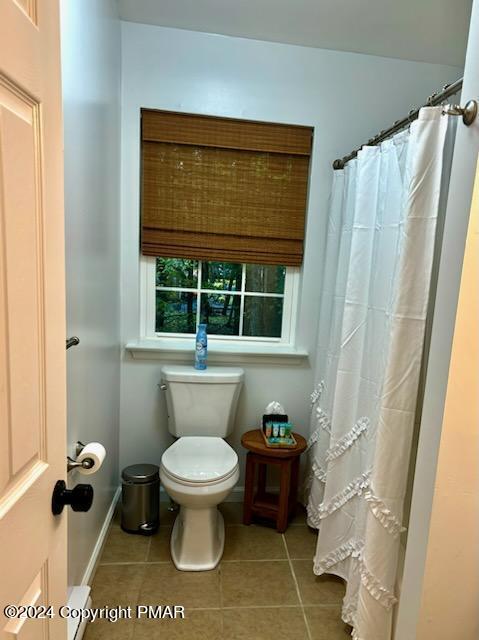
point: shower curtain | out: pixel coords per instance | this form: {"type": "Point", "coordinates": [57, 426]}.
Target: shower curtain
{"type": "Point", "coordinates": [379, 254]}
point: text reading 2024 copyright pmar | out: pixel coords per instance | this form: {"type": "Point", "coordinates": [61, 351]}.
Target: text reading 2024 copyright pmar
{"type": "Point", "coordinates": [112, 614]}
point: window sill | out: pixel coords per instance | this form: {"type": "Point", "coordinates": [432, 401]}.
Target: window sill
{"type": "Point", "coordinates": [218, 352]}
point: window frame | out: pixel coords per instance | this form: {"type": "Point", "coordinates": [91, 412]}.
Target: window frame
{"type": "Point", "coordinates": [148, 308]}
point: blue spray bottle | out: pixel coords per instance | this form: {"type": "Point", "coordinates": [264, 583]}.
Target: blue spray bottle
{"type": "Point", "coordinates": [201, 351]}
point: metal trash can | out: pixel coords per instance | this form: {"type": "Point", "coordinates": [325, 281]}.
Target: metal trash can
{"type": "Point", "coordinates": [140, 498]}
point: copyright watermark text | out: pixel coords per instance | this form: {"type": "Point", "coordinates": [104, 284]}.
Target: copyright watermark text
{"type": "Point", "coordinates": [112, 614]}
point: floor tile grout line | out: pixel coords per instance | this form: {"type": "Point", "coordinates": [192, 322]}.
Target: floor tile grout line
{"type": "Point", "coordinates": [147, 562]}
{"type": "Point", "coordinates": [324, 605]}
{"type": "Point", "coordinates": [246, 606]}
{"type": "Point", "coordinates": [234, 560]}
{"type": "Point", "coordinates": [220, 579]}
{"type": "Point", "coordinates": [131, 634]}
{"type": "Point", "coordinates": [142, 563]}
{"type": "Point", "coordinates": [148, 549]}
{"type": "Point", "coordinates": [117, 526]}
{"type": "Point", "coordinates": [264, 606]}
{"type": "Point", "coordinates": [258, 526]}
{"type": "Point", "coordinates": [128, 563]}
{"type": "Point", "coordinates": [298, 592]}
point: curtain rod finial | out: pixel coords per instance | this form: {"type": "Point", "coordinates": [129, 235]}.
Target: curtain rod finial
{"type": "Point", "coordinates": [468, 112]}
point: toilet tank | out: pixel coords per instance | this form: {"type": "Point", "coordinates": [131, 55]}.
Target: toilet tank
{"type": "Point", "coordinates": [201, 403]}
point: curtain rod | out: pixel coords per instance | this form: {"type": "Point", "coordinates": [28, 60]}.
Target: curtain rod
{"type": "Point", "coordinates": [436, 99]}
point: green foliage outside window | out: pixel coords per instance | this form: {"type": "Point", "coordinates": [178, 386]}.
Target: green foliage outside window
{"type": "Point", "coordinates": [219, 285]}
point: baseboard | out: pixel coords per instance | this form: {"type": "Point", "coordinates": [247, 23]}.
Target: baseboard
{"type": "Point", "coordinates": [95, 556]}
{"type": "Point", "coordinates": [82, 626]}
{"type": "Point", "coordinates": [78, 598]}
{"type": "Point", "coordinates": [235, 496]}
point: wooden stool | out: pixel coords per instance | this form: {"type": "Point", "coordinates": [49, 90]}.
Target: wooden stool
{"type": "Point", "coordinates": [267, 505]}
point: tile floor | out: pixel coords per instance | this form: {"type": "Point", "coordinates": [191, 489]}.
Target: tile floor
{"type": "Point", "coordinates": [264, 588]}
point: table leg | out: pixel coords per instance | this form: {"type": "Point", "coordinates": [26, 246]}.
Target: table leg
{"type": "Point", "coordinates": [248, 489]}
{"type": "Point", "coordinates": [261, 480]}
{"type": "Point", "coordinates": [283, 500]}
{"type": "Point", "coordinates": [293, 493]}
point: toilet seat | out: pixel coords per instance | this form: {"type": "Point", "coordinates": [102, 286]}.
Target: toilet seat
{"type": "Point", "coordinates": [196, 485]}
{"type": "Point", "coordinates": [199, 460]}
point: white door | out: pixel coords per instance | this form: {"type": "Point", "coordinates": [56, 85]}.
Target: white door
{"type": "Point", "coordinates": [32, 317]}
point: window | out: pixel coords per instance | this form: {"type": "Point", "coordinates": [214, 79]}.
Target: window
{"type": "Point", "coordinates": [236, 301]}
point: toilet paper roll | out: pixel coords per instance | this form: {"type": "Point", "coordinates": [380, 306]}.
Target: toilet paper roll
{"type": "Point", "coordinates": [96, 452]}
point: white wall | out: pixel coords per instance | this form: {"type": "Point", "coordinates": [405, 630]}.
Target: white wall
{"type": "Point", "coordinates": [450, 588]}
{"type": "Point", "coordinates": [444, 449]}
{"type": "Point", "coordinates": [346, 97]}
{"type": "Point", "coordinates": [91, 86]}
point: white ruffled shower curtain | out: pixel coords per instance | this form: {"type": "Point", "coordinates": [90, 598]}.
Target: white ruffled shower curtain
{"type": "Point", "coordinates": [379, 254]}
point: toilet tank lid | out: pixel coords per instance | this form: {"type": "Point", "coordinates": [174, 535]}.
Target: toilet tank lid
{"type": "Point", "coordinates": [218, 375]}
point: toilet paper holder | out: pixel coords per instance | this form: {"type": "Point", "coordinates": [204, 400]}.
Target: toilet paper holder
{"type": "Point", "coordinates": [87, 463]}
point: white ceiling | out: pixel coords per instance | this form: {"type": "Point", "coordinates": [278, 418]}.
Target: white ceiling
{"type": "Point", "coordinates": [423, 30]}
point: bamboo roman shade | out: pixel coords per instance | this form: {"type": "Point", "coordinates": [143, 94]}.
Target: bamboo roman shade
{"type": "Point", "coordinates": [222, 189]}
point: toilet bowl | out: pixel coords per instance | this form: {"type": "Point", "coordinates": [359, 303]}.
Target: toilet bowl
{"type": "Point", "coordinates": [199, 469]}
{"type": "Point", "coordinates": [198, 472]}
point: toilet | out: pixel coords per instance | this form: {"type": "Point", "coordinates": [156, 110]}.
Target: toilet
{"type": "Point", "coordinates": [200, 469]}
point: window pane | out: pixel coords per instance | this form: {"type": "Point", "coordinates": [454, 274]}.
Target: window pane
{"type": "Point", "coordinates": [175, 312]}
{"type": "Point", "coordinates": [176, 272]}
{"type": "Point", "coordinates": [225, 276]}
{"type": "Point", "coordinates": [262, 317]}
{"type": "Point", "coordinates": [221, 313]}
{"type": "Point", "coordinates": [265, 278]}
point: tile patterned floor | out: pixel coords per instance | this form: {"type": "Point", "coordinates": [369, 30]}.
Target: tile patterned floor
{"type": "Point", "coordinates": [264, 588]}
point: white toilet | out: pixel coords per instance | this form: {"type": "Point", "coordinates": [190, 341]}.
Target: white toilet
{"type": "Point", "coordinates": [200, 469]}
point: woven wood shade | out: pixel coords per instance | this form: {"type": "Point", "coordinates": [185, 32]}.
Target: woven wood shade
{"type": "Point", "coordinates": [224, 190]}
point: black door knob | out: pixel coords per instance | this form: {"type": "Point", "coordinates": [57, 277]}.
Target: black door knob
{"type": "Point", "coordinates": [79, 498]}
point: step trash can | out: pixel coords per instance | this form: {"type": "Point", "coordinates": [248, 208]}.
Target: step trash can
{"type": "Point", "coordinates": [140, 498]}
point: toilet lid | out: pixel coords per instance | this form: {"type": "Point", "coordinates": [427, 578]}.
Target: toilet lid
{"type": "Point", "coordinates": [199, 459]}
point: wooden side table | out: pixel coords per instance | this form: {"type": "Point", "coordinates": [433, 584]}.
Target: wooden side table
{"type": "Point", "coordinates": [275, 507]}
